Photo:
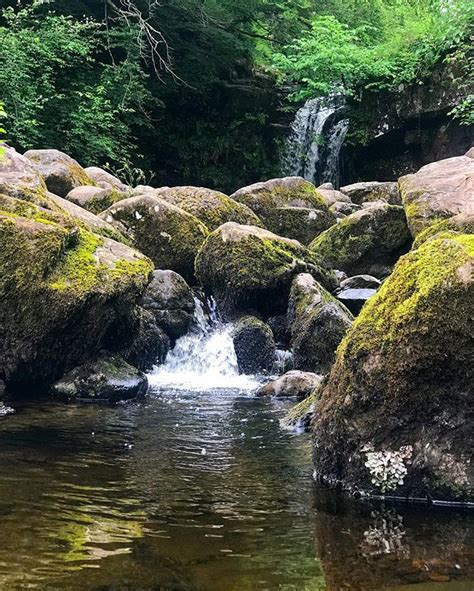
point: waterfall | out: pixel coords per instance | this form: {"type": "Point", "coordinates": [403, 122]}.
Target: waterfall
{"type": "Point", "coordinates": [315, 140]}
{"type": "Point", "coordinates": [203, 359]}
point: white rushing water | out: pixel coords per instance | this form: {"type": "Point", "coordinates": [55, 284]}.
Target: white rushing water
{"type": "Point", "coordinates": [315, 140]}
{"type": "Point", "coordinates": [203, 359]}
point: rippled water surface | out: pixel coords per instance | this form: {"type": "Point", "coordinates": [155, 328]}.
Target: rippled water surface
{"type": "Point", "coordinates": [200, 490]}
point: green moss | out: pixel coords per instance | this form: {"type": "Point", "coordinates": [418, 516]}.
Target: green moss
{"type": "Point", "coordinates": [444, 228]}
{"type": "Point", "coordinates": [97, 205]}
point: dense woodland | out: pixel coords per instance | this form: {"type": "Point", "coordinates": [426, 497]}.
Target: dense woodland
{"type": "Point", "coordinates": [164, 92]}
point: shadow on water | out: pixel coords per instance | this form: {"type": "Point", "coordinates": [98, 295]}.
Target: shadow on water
{"type": "Point", "coordinates": [200, 491]}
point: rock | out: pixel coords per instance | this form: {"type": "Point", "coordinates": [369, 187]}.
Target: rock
{"type": "Point", "coordinates": [61, 288]}
{"type": "Point", "coordinates": [254, 345]}
{"type": "Point", "coordinates": [293, 383]}
{"type": "Point", "coordinates": [331, 196]}
{"type": "Point", "coordinates": [144, 190]}
{"type": "Point", "coordinates": [300, 417]}
{"type": "Point", "coordinates": [94, 199]}
{"type": "Point", "coordinates": [20, 179]}
{"type": "Point", "coordinates": [167, 234]}
{"type": "Point", "coordinates": [369, 241]}
{"type": "Point", "coordinates": [211, 207]}
{"type": "Point", "coordinates": [108, 379]}
{"type": "Point", "coordinates": [437, 191]}
{"type": "Point", "coordinates": [401, 390]}
{"type": "Point", "coordinates": [104, 179]}
{"type": "Point", "coordinates": [60, 172]}
{"type": "Point", "coordinates": [373, 191]}
{"type": "Point", "coordinates": [318, 323]}
{"type": "Point", "coordinates": [329, 186]}
{"type": "Point", "coordinates": [290, 207]}
{"type": "Point", "coordinates": [355, 291]}
{"type": "Point", "coordinates": [343, 209]}
{"type": "Point", "coordinates": [170, 299]}
{"type": "Point", "coordinates": [249, 268]}
{"type": "Point", "coordinates": [280, 329]}
{"type": "Point", "coordinates": [462, 223]}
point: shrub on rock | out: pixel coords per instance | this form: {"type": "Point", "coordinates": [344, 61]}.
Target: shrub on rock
{"type": "Point", "coordinates": [254, 345]}
{"type": "Point", "coordinates": [318, 324]}
{"type": "Point", "coordinates": [369, 241]}
{"type": "Point", "coordinates": [247, 268]}
{"type": "Point", "coordinates": [401, 391]}
{"type": "Point", "coordinates": [167, 234]}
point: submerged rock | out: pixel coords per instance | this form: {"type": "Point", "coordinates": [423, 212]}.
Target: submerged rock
{"type": "Point", "coordinates": [254, 345]}
{"type": "Point", "coordinates": [107, 379]}
{"type": "Point", "coordinates": [167, 234]}
{"type": "Point", "coordinates": [289, 206]}
{"type": "Point", "coordinates": [396, 413]}
{"type": "Point", "coordinates": [369, 241]}
{"type": "Point", "coordinates": [60, 172]}
{"type": "Point", "coordinates": [249, 268]}
{"type": "Point", "coordinates": [373, 191]}
{"type": "Point", "coordinates": [211, 207]}
{"type": "Point", "coordinates": [318, 323]}
{"type": "Point", "coordinates": [295, 383]}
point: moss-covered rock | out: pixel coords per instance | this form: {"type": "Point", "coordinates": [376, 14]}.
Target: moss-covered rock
{"type": "Point", "coordinates": [61, 288]}
{"type": "Point", "coordinates": [251, 268]}
{"type": "Point", "coordinates": [254, 345]}
{"type": "Point", "coordinates": [95, 199]}
{"type": "Point", "coordinates": [211, 207]}
{"type": "Point", "coordinates": [318, 323]}
{"type": "Point", "coordinates": [438, 191]}
{"type": "Point", "coordinates": [60, 172]}
{"type": "Point", "coordinates": [369, 241]}
{"type": "Point", "coordinates": [401, 391]}
{"type": "Point", "coordinates": [462, 223]}
{"type": "Point", "coordinates": [366, 192]}
{"type": "Point", "coordinates": [107, 379]}
{"type": "Point", "coordinates": [167, 234]}
{"type": "Point", "coordinates": [277, 203]}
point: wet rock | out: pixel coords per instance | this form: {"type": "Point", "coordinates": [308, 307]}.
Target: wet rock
{"type": "Point", "coordinates": [107, 379]}
{"type": "Point", "coordinates": [295, 383]}
{"type": "Point", "coordinates": [438, 191]}
{"type": "Point", "coordinates": [254, 345]}
{"type": "Point", "coordinates": [211, 207]}
{"type": "Point", "coordinates": [290, 207]}
{"type": "Point", "coordinates": [400, 394]}
{"type": "Point", "coordinates": [355, 291]}
{"type": "Point", "coordinates": [280, 329]}
{"type": "Point", "coordinates": [249, 268]}
{"type": "Point", "coordinates": [170, 299]}
{"type": "Point", "coordinates": [318, 323]}
{"type": "Point", "coordinates": [94, 199]}
{"type": "Point", "coordinates": [369, 241]}
{"type": "Point", "coordinates": [373, 191]}
{"type": "Point", "coordinates": [60, 172]}
{"type": "Point", "coordinates": [167, 234]}
{"type": "Point", "coordinates": [104, 179]}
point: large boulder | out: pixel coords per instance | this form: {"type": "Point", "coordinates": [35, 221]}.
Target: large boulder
{"type": "Point", "coordinates": [247, 268]}
{"type": "Point", "coordinates": [108, 379]}
{"type": "Point", "coordinates": [396, 415]}
{"type": "Point", "coordinates": [167, 234]}
{"type": "Point", "coordinates": [318, 324]}
{"type": "Point", "coordinates": [60, 172]}
{"type": "Point", "coordinates": [211, 207]}
{"type": "Point", "coordinates": [373, 191]}
{"type": "Point", "coordinates": [254, 345]}
{"type": "Point", "coordinates": [289, 206]}
{"type": "Point", "coordinates": [294, 383]}
{"type": "Point", "coordinates": [369, 241]}
{"type": "Point", "coordinates": [61, 289]}
{"type": "Point", "coordinates": [437, 191]}
{"type": "Point", "coordinates": [105, 180]}
{"type": "Point", "coordinates": [94, 199]}
{"type": "Point", "coordinates": [463, 223]}
{"type": "Point", "coordinates": [170, 299]}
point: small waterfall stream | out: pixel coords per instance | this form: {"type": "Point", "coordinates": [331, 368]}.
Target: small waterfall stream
{"type": "Point", "coordinates": [315, 140]}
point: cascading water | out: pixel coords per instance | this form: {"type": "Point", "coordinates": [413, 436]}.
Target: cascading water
{"type": "Point", "coordinates": [314, 144]}
{"type": "Point", "coordinates": [203, 359]}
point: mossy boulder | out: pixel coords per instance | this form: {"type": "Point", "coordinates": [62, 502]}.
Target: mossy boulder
{"type": "Point", "coordinates": [95, 199]}
{"type": "Point", "coordinates": [107, 379]}
{"type": "Point", "coordinates": [368, 191]}
{"type": "Point", "coordinates": [61, 288]}
{"type": "Point", "coordinates": [369, 241]}
{"type": "Point", "coordinates": [277, 203]}
{"type": "Point", "coordinates": [60, 172]}
{"type": "Point", "coordinates": [462, 223]}
{"type": "Point", "coordinates": [401, 393]}
{"type": "Point", "coordinates": [438, 191]}
{"type": "Point", "coordinates": [170, 236]}
{"type": "Point", "coordinates": [247, 268]}
{"type": "Point", "coordinates": [254, 345]}
{"type": "Point", "coordinates": [318, 323]}
{"type": "Point", "coordinates": [211, 207]}
{"type": "Point", "coordinates": [106, 180]}
{"type": "Point", "coordinates": [170, 299]}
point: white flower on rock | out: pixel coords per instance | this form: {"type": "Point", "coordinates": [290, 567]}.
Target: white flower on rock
{"type": "Point", "coordinates": [387, 468]}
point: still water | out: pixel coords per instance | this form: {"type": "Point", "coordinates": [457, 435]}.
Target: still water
{"type": "Point", "coordinates": [201, 490]}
